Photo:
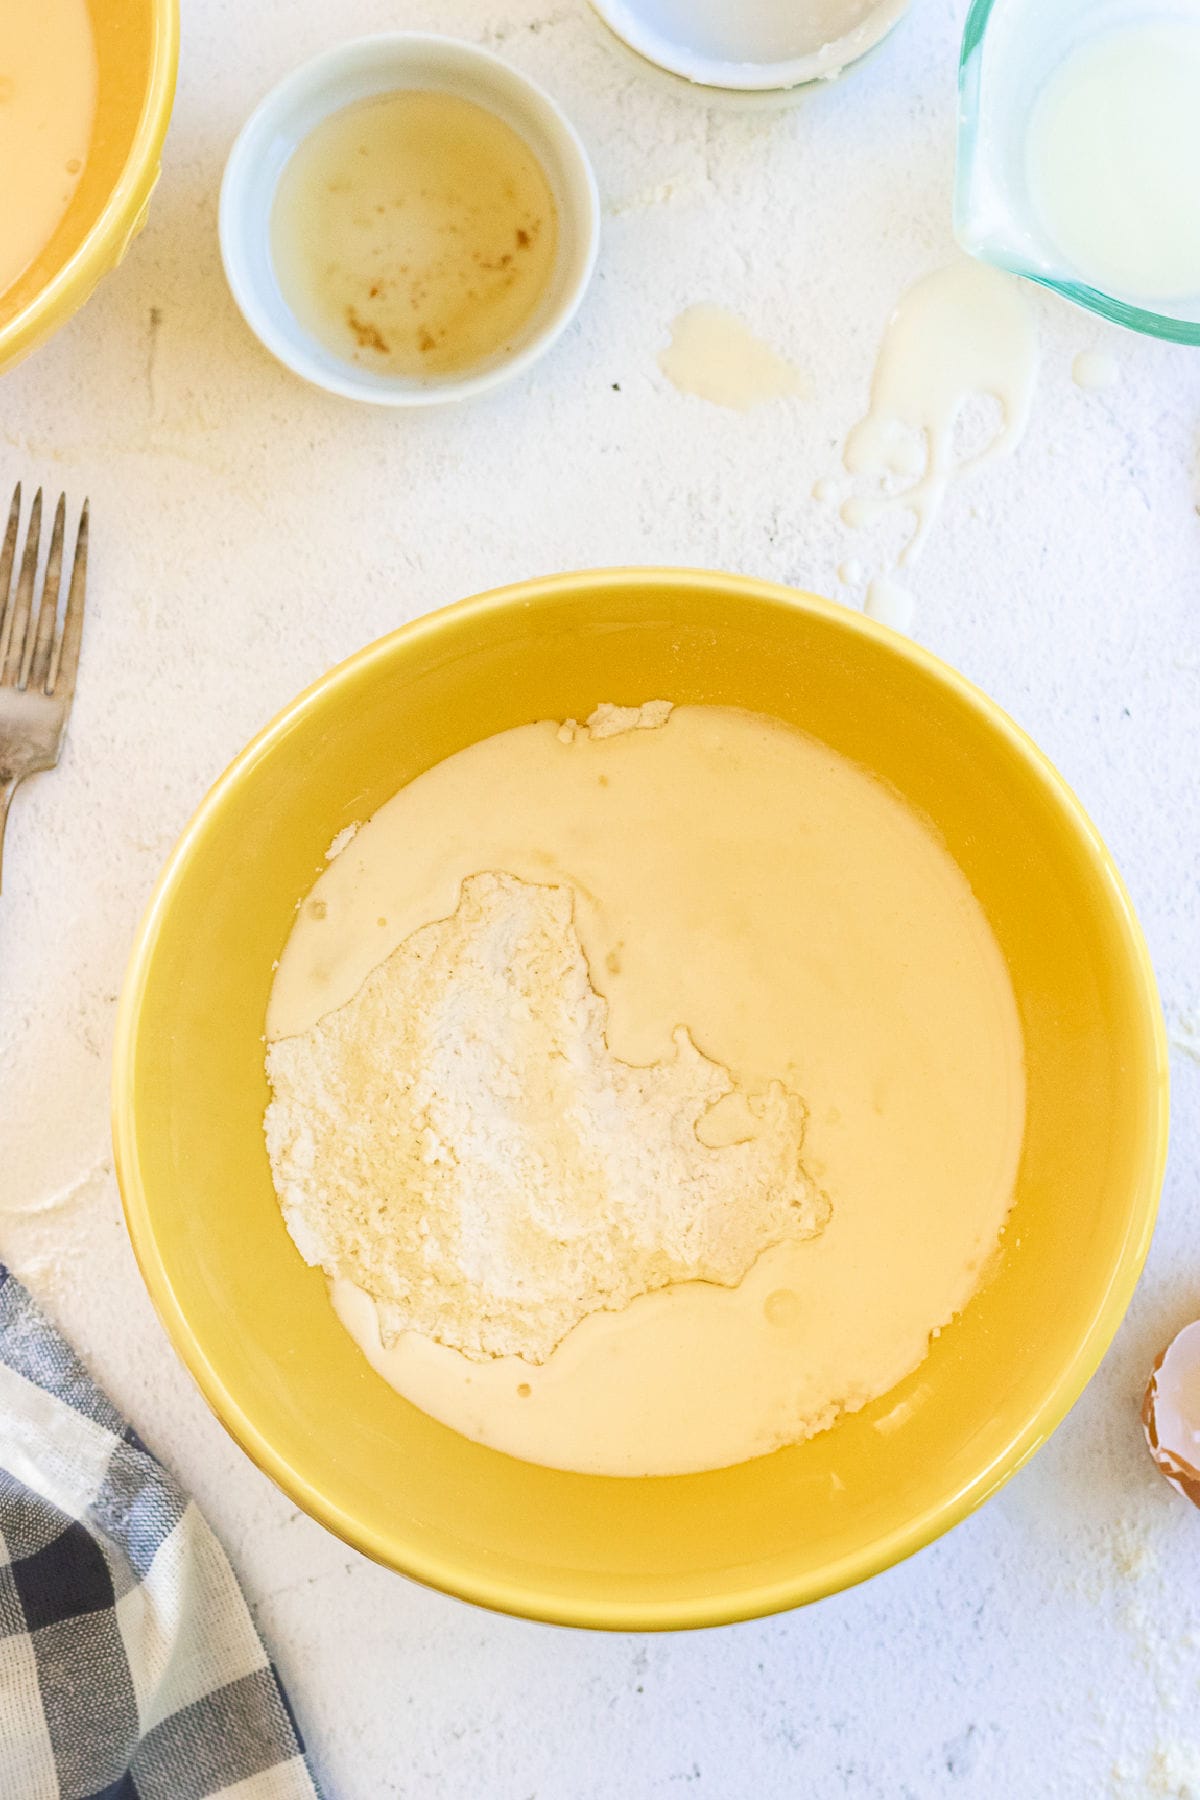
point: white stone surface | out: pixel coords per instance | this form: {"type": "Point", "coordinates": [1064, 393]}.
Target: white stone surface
{"type": "Point", "coordinates": [248, 533]}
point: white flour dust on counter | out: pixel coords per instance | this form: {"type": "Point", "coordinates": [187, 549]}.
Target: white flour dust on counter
{"type": "Point", "coordinates": [614, 1064]}
{"type": "Point", "coordinates": [962, 334]}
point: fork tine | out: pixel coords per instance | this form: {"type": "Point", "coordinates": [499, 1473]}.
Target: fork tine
{"type": "Point", "coordinates": [38, 646]}
{"type": "Point", "coordinates": [7, 554]}
{"type": "Point", "coordinates": [63, 668]}
{"type": "Point", "coordinates": [22, 601]}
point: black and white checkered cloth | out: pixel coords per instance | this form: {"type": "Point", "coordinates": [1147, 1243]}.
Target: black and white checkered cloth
{"type": "Point", "coordinates": [129, 1666]}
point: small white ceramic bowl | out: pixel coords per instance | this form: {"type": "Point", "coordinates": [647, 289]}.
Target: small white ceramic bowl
{"type": "Point", "coordinates": [356, 71]}
{"type": "Point", "coordinates": [762, 47]}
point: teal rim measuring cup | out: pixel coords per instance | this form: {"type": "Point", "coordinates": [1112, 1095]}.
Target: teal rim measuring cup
{"type": "Point", "coordinates": [1010, 49]}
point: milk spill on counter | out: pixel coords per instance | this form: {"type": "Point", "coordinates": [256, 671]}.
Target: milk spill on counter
{"type": "Point", "coordinates": [965, 332]}
{"type": "Point", "coordinates": [47, 104]}
{"type": "Point", "coordinates": [832, 943]}
{"type": "Point", "coordinates": [1112, 160]}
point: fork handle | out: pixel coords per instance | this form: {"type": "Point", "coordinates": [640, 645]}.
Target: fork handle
{"type": "Point", "coordinates": [8, 788]}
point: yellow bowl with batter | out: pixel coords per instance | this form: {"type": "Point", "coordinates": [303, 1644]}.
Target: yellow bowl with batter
{"type": "Point", "coordinates": [251, 1320]}
{"type": "Point", "coordinates": [128, 83]}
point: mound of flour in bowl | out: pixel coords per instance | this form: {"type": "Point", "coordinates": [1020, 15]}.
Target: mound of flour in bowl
{"type": "Point", "coordinates": [459, 1141]}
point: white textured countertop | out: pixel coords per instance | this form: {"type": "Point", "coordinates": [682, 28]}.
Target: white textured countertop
{"type": "Point", "coordinates": [248, 532]}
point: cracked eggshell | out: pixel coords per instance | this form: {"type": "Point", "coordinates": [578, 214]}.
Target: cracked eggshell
{"type": "Point", "coordinates": [1171, 1412]}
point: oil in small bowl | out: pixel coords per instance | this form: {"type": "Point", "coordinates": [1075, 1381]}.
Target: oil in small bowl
{"type": "Point", "coordinates": [415, 233]}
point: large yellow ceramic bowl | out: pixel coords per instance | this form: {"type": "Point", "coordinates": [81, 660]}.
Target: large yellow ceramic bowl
{"type": "Point", "coordinates": [137, 48]}
{"type": "Point", "coordinates": [252, 1321]}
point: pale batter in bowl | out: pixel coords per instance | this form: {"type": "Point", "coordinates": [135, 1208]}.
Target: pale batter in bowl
{"type": "Point", "coordinates": [739, 880]}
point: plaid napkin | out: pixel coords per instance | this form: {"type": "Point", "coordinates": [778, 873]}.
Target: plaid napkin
{"type": "Point", "coordinates": [129, 1667]}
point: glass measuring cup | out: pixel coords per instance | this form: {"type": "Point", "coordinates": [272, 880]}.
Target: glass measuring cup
{"type": "Point", "coordinates": [1010, 50]}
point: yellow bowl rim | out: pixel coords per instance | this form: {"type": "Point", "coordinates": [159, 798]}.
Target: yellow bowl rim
{"type": "Point", "coordinates": [509, 1596]}
{"type": "Point", "coordinates": [102, 248]}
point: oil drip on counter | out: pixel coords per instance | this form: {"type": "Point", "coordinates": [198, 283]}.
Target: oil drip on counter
{"type": "Point", "coordinates": [716, 1087]}
{"type": "Point", "coordinates": [714, 356]}
{"type": "Point", "coordinates": [415, 233]}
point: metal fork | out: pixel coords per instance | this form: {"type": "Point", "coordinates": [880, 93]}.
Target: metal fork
{"type": "Point", "coordinates": [39, 653]}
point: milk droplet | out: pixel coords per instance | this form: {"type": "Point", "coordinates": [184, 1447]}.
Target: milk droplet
{"type": "Point", "coordinates": [890, 603]}
{"type": "Point", "coordinates": [851, 572]}
{"type": "Point", "coordinates": [1094, 370]}
{"type": "Point", "coordinates": [859, 510]}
